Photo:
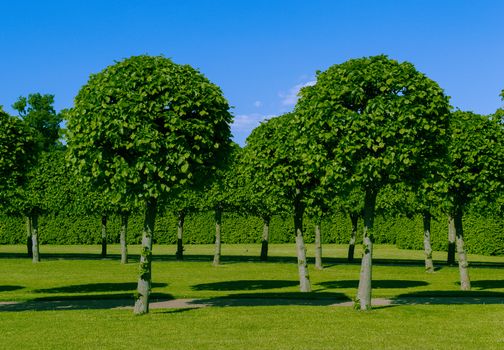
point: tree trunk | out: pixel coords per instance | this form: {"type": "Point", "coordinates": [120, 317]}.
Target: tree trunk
{"type": "Point", "coordinates": [218, 221]}
{"type": "Point", "coordinates": [363, 300]}
{"type": "Point", "coordinates": [429, 265]}
{"type": "Point", "coordinates": [465, 283]}
{"type": "Point", "coordinates": [35, 242]}
{"type": "Point", "coordinates": [29, 243]}
{"type": "Point", "coordinates": [304, 278]}
{"type": "Point", "coordinates": [103, 236]}
{"type": "Point", "coordinates": [180, 236]}
{"type": "Point", "coordinates": [451, 240]}
{"type": "Point", "coordinates": [123, 236]}
{"type": "Point", "coordinates": [265, 239]}
{"type": "Point", "coordinates": [318, 248]}
{"type": "Point", "coordinates": [144, 280]}
{"type": "Point", "coordinates": [351, 247]}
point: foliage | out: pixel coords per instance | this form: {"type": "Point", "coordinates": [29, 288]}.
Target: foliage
{"type": "Point", "coordinates": [476, 160]}
{"type": "Point", "coordinates": [379, 122]}
{"type": "Point", "coordinates": [16, 155]}
{"type": "Point", "coordinates": [483, 234]}
{"type": "Point", "coordinates": [144, 126]}
{"type": "Point", "coordinates": [39, 114]}
{"type": "Point", "coordinates": [224, 192]}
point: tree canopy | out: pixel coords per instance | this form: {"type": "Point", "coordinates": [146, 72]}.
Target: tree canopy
{"type": "Point", "coordinates": [145, 125]}
{"type": "Point", "coordinates": [38, 112]}
{"type": "Point", "coordinates": [16, 147]}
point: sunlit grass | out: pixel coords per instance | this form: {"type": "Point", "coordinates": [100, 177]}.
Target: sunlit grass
{"type": "Point", "coordinates": [79, 272]}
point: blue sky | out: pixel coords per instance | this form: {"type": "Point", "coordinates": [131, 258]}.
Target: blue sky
{"type": "Point", "coordinates": [259, 52]}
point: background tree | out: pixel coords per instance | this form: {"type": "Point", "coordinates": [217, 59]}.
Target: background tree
{"type": "Point", "coordinates": [274, 150]}
{"type": "Point", "coordinates": [38, 112]}
{"type": "Point", "coordinates": [181, 203]}
{"type": "Point", "coordinates": [379, 122]}
{"type": "Point", "coordinates": [254, 199]}
{"type": "Point", "coordinates": [142, 128]}
{"type": "Point", "coordinates": [221, 196]}
{"type": "Point", "coordinates": [16, 156]}
{"type": "Point", "coordinates": [39, 115]}
{"type": "Point", "coordinates": [476, 172]}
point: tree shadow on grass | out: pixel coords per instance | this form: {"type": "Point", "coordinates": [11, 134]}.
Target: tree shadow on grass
{"type": "Point", "coordinates": [486, 284]}
{"type": "Point", "coordinates": [245, 285]}
{"type": "Point", "coordinates": [449, 297]}
{"type": "Point", "coordinates": [377, 284]}
{"type": "Point", "coordinates": [275, 299]}
{"type": "Point", "coordinates": [96, 288]}
{"type": "Point", "coordinates": [9, 288]}
{"type": "Point", "coordinates": [87, 302]}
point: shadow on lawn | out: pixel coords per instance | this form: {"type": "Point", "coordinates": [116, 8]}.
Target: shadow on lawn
{"type": "Point", "coordinates": [230, 259]}
{"type": "Point", "coordinates": [275, 299]}
{"type": "Point", "coordinates": [9, 288]}
{"type": "Point", "coordinates": [487, 284]}
{"type": "Point", "coordinates": [449, 297]}
{"type": "Point", "coordinates": [245, 285]}
{"type": "Point", "coordinates": [96, 287]}
{"type": "Point", "coordinates": [86, 302]}
{"type": "Point", "coordinates": [377, 284]}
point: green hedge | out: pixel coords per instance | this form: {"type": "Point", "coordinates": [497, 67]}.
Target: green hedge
{"type": "Point", "coordinates": [483, 235]}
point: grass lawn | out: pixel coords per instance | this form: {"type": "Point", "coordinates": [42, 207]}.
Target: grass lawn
{"type": "Point", "coordinates": [77, 272]}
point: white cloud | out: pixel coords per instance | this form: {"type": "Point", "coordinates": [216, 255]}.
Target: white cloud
{"type": "Point", "coordinates": [290, 98]}
{"type": "Point", "coordinates": [258, 104]}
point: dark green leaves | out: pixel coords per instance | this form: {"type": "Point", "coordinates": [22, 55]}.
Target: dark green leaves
{"type": "Point", "coordinates": [145, 126]}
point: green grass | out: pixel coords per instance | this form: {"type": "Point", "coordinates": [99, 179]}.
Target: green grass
{"type": "Point", "coordinates": [76, 272]}
{"type": "Point", "coordinates": [275, 327]}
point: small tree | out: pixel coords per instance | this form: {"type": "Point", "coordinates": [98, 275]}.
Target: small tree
{"type": "Point", "coordinates": [142, 128]}
{"type": "Point", "coordinates": [476, 172]}
{"type": "Point", "coordinates": [377, 122]}
{"type": "Point", "coordinates": [39, 115]}
{"type": "Point", "coordinates": [16, 156]}
{"type": "Point", "coordinates": [253, 199]}
{"type": "Point", "coordinates": [273, 150]}
{"type": "Point", "coordinates": [221, 196]}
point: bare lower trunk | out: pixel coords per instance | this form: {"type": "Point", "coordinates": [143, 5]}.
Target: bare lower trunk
{"type": "Point", "coordinates": [29, 243]}
{"type": "Point", "coordinates": [35, 242]}
{"type": "Point", "coordinates": [363, 300]}
{"type": "Point", "coordinates": [451, 240]}
{"type": "Point", "coordinates": [265, 239]}
{"type": "Point", "coordinates": [144, 280]}
{"type": "Point", "coordinates": [318, 248]}
{"type": "Point", "coordinates": [351, 246]}
{"type": "Point", "coordinates": [123, 238]}
{"type": "Point", "coordinates": [465, 283]}
{"type": "Point", "coordinates": [180, 236]}
{"type": "Point", "coordinates": [218, 221]}
{"type": "Point", "coordinates": [304, 278]}
{"type": "Point", "coordinates": [429, 265]}
{"type": "Point", "coordinates": [103, 236]}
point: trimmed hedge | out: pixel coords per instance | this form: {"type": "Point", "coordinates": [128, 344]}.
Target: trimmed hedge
{"type": "Point", "coordinates": [483, 235]}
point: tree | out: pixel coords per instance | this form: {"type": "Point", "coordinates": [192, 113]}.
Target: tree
{"type": "Point", "coordinates": [16, 157]}
{"type": "Point", "coordinates": [221, 196]}
{"type": "Point", "coordinates": [476, 172]}
{"type": "Point", "coordinates": [255, 200]}
{"type": "Point", "coordinates": [181, 203]}
{"type": "Point", "coordinates": [38, 113]}
{"type": "Point", "coordinates": [273, 150]}
{"type": "Point", "coordinates": [143, 127]}
{"type": "Point", "coordinates": [378, 122]}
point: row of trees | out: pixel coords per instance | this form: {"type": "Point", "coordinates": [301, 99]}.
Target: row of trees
{"type": "Point", "coordinates": [146, 134]}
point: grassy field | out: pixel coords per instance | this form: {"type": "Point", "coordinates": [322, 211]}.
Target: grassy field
{"type": "Point", "coordinates": [72, 273]}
